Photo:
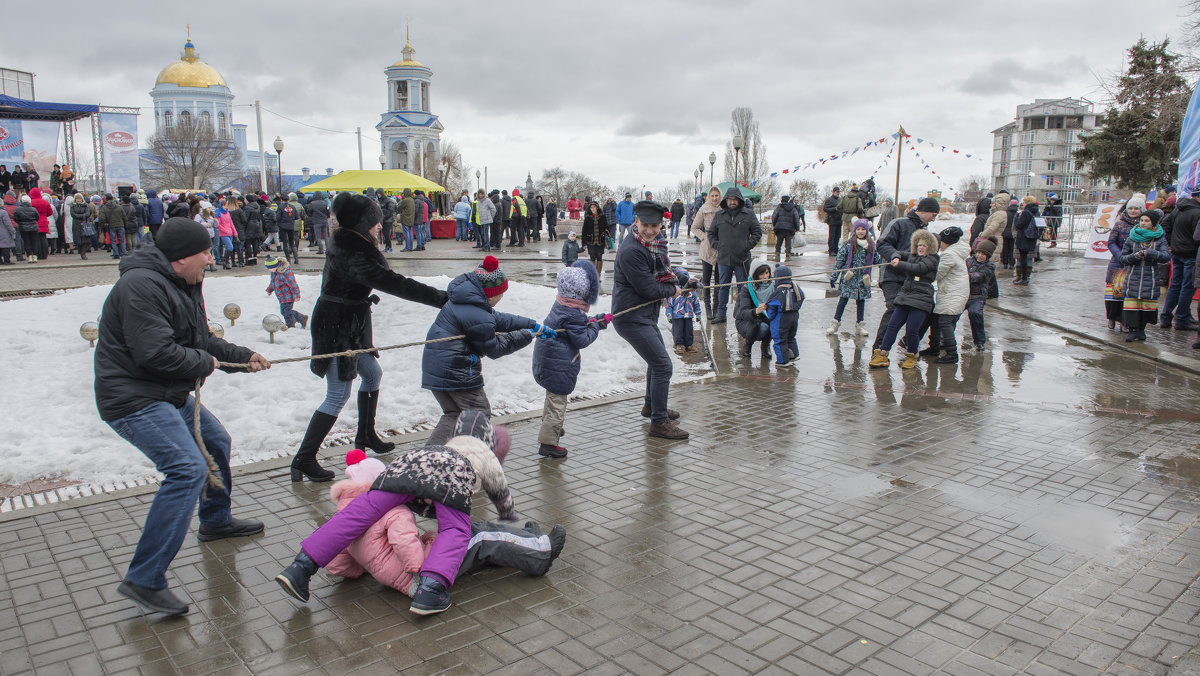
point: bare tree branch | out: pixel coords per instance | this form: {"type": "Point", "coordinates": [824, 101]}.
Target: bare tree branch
{"type": "Point", "coordinates": [190, 154]}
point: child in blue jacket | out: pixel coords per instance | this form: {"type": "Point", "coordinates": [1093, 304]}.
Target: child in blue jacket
{"type": "Point", "coordinates": [452, 369]}
{"type": "Point", "coordinates": [783, 312]}
{"type": "Point", "coordinates": [681, 311]}
{"type": "Point", "coordinates": [556, 363]}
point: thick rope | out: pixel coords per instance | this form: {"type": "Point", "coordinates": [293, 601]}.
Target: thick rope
{"type": "Point", "coordinates": [214, 472]}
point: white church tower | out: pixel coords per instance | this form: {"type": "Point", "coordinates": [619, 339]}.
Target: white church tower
{"type": "Point", "coordinates": [410, 133]}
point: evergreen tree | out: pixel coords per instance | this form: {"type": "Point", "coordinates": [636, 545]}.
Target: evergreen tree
{"type": "Point", "coordinates": [1139, 144]}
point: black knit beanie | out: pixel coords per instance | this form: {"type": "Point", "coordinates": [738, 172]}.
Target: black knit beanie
{"type": "Point", "coordinates": [356, 212]}
{"type": "Point", "coordinates": [181, 237]}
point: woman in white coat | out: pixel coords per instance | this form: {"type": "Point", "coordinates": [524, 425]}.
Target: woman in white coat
{"type": "Point", "coordinates": [953, 289]}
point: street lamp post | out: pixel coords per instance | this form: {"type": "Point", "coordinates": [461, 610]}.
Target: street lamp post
{"type": "Point", "coordinates": [279, 162]}
{"type": "Point", "coordinates": [477, 174]}
{"type": "Point", "coordinates": [696, 180]}
{"type": "Point", "coordinates": [382, 161]}
{"type": "Point", "coordinates": [738, 142]}
{"type": "Point", "coordinates": [712, 161]}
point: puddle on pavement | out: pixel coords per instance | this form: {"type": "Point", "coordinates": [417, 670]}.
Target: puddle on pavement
{"type": "Point", "coordinates": [1080, 528]}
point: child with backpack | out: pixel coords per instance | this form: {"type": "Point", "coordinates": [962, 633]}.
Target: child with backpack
{"type": "Point", "coordinates": [783, 313]}
{"type": "Point", "coordinates": [681, 311]}
{"type": "Point", "coordinates": [556, 363]}
{"type": "Point", "coordinates": [287, 291]}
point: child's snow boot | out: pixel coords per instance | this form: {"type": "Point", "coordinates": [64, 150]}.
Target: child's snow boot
{"type": "Point", "coordinates": [879, 358]}
{"type": "Point", "coordinates": [294, 579]}
{"type": "Point", "coordinates": [833, 328]}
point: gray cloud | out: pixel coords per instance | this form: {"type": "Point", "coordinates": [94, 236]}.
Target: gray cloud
{"type": "Point", "coordinates": [631, 92]}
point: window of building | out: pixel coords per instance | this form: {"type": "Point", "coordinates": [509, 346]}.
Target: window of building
{"type": "Point", "coordinates": [1055, 122]}
{"type": "Point", "coordinates": [401, 95]}
{"type": "Point", "coordinates": [1027, 138]}
{"type": "Point", "coordinates": [425, 96]}
{"type": "Point", "coordinates": [167, 119]}
{"type": "Point", "coordinates": [1025, 167]}
{"type": "Point", "coordinates": [1104, 195]}
{"type": "Point", "coordinates": [1023, 182]}
{"type": "Point", "coordinates": [1050, 165]}
{"type": "Point", "coordinates": [1026, 151]}
{"type": "Point", "coordinates": [1051, 151]}
{"type": "Point", "coordinates": [1049, 179]}
{"type": "Point", "coordinates": [185, 118]}
{"type": "Point", "coordinates": [400, 155]}
{"type": "Point", "coordinates": [1071, 195]}
{"type": "Point", "coordinates": [222, 130]}
{"type": "Point", "coordinates": [206, 119]}
{"type": "Point", "coordinates": [1075, 122]}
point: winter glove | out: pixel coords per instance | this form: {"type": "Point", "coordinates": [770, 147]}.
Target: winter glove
{"type": "Point", "coordinates": [544, 332]}
{"type": "Point", "coordinates": [692, 285]}
{"type": "Point", "coordinates": [602, 320]}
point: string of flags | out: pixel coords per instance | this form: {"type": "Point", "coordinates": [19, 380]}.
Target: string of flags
{"type": "Point", "coordinates": [931, 170]}
{"type": "Point", "coordinates": [894, 138]}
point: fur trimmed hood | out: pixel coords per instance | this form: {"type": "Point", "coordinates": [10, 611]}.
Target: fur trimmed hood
{"type": "Point", "coordinates": [924, 237]}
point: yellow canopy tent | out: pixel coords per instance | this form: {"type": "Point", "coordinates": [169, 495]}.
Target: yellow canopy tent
{"type": "Point", "coordinates": [391, 181]}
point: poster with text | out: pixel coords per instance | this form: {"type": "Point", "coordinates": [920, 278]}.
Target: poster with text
{"type": "Point", "coordinates": [118, 139]}
{"type": "Point", "coordinates": [1189, 147]}
{"type": "Point", "coordinates": [29, 142]}
{"type": "Point", "coordinates": [1106, 218]}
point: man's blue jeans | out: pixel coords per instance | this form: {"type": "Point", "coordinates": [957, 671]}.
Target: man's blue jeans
{"type": "Point", "coordinates": [624, 231]}
{"type": "Point", "coordinates": [484, 234]}
{"type": "Point", "coordinates": [461, 231]}
{"type": "Point", "coordinates": [647, 341]}
{"type": "Point", "coordinates": [725, 275]}
{"type": "Point", "coordinates": [164, 434]}
{"type": "Point", "coordinates": [409, 236]}
{"type": "Point", "coordinates": [1180, 290]}
{"type": "Point", "coordinates": [116, 239]}
{"type": "Point", "coordinates": [674, 229]}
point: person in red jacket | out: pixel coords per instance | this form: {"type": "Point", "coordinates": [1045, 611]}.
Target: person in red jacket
{"type": "Point", "coordinates": [574, 206]}
{"type": "Point", "coordinates": [45, 213]}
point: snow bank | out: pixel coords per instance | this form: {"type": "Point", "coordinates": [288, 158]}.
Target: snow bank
{"type": "Point", "coordinates": [53, 430]}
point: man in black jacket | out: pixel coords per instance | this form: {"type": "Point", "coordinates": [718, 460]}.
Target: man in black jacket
{"type": "Point", "coordinates": [734, 232]}
{"type": "Point", "coordinates": [153, 350]}
{"type": "Point", "coordinates": [388, 207]}
{"type": "Point", "coordinates": [641, 276]}
{"type": "Point", "coordinates": [833, 218]}
{"type": "Point", "coordinates": [1180, 228]}
{"type": "Point", "coordinates": [896, 240]}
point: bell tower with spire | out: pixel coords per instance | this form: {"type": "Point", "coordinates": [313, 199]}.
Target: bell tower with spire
{"type": "Point", "coordinates": [409, 131]}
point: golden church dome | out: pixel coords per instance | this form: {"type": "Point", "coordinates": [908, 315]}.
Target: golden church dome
{"type": "Point", "coordinates": [190, 71]}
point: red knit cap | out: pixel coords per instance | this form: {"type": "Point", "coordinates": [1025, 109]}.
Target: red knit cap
{"type": "Point", "coordinates": [491, 277]}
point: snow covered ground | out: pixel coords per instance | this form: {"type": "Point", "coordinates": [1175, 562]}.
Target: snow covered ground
{"type": "Point", "coordinates": [52, 430]}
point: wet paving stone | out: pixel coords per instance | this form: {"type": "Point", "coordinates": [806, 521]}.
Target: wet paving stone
{"type": "Point", "coordinates": [1032, 509]}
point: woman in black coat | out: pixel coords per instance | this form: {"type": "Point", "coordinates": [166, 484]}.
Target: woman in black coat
{"type": "Point", "coordinates": [341, 321]}
{"type": "Point", "coordinates": [595, 235]}
{"type": "Point", "coordinates": [1008, 257]}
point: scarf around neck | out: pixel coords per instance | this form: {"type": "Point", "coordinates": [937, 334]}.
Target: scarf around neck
{"type": "Point", "coordinates": [572, 303]}
{"type": "Point", "coordinates": [1142, 235]}
{"type": "Point", "coordinates": [764, 291]}
{"type": "Point", "coordinates": [662, 263]}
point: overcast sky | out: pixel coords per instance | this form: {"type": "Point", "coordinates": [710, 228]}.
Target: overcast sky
{"type": "Point", "coordinates": [626, 92]}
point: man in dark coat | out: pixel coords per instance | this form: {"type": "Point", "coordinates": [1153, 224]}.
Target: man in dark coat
{"type": "Point", "coordinates": [317, 210]}
{"type": "Point", "coordinates": [552, 219]}
{"type": "Point", "coordinates": [155, 212]}
{"type": "Point", "coordinates": [112, 219]}
{"type": "Point", "coordinates": [154, 349]}
{"type": "Point", "coordinates": [504, 216]}
{"type": "Point", "coordinates": [1180, 228]}
{"type": "Point", "coordinates": [640, 276]}
{"type": "Point", "coordinates": [833, 219]}
{"type": "Point", "coordinates": [785, 222]}
{"type": "Point", "coordinates": [734, 232]}
{"type": "Point", "coordinates": [388, 207]}
{"type": "Point", "coordinates": [897, 239]}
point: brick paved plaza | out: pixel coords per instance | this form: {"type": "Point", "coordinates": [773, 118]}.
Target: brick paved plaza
{"type": "Point", "coordinates": [1032, 509]}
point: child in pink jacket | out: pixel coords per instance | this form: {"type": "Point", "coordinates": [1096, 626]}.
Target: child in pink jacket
{"type": "Point", "coordinates": [393, 548]}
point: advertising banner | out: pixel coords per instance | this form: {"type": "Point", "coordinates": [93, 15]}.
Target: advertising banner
{"type": "Point", "coordinates": [1106, 217]}
{"type": "Point", "coordinates": [29, 143]}
{"type": "Point", "coordinates": [119, 142]}
{"type": "Point", "coordinates": [1189, 147]}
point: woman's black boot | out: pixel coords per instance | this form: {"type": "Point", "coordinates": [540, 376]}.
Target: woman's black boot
{"type": "Point", "coordinates": [366, 437]}
{"type": "Point", "coordinates": [305, 463]}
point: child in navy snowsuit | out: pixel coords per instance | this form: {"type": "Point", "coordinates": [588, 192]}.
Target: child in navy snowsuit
{"type": "Point", "coordinates": [681, 311]}
{"type": "Point", "coordinates": [783, 312]}
{"type": "Point", "coordinates": [452, 369]}
{"type": "Point", "coordinates": [556, 363]}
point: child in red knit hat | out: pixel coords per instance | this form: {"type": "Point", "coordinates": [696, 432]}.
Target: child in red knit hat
{"type": "Point", "coordinates": [453, 369]}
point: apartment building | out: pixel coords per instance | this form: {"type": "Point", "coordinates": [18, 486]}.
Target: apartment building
{"type": "Point", "coordinates": [1034, 154]}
